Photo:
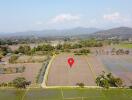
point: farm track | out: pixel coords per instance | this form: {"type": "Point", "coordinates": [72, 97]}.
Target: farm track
{"type": "Point", "coordinates": [45, 78]}
{"type": "Point", "coordinates": [91, 68]}
{"type": "Point", "coordinates": [96, 65]}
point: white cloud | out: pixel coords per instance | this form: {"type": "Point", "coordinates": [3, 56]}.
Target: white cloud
{"type": "Point", "coordinates": [112, 17]}
{"type": "Point", "coordinates": [64, 18]}
{"type": "Point", "coordinates": [118, 19]}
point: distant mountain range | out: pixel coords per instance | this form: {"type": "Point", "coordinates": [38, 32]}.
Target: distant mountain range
{"type": "Point", "coordinates": [54, 33]}
{"type": "Point", "coordinates": [120, 32]}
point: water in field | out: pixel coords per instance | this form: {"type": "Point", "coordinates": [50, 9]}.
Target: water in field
{"type": "Point", "coordinates": [119, 65]}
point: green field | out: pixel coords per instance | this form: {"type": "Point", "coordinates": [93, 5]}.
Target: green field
{"type": "Point", "coordinates": [123, 45]}
{"type": "Point", "coordinates": [66, 94]}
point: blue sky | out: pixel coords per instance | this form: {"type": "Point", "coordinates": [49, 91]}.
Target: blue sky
{"type": "Point", "coordinates": [25, 15]}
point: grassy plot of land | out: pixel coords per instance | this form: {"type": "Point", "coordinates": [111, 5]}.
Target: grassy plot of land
{"type": "Point", "coordinates": [11, 94]}
{"type": "Point", "coordinates": [124, 45]}
{"type": "Point", "coordinates": [42, 94]}
{"type": "Point", "coordinates": [66, 94]}
{"type": "Point", "coordinates": [97, 94]}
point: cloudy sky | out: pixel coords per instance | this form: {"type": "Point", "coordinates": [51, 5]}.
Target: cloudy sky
{"type": "Point", "coordinates": [25, 15]}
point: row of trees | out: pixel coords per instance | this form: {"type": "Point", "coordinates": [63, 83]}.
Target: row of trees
{"type": "Point", "coordinates": [80, 44]}
{"type": "Point", "coordinates": [27, 50]}
{"type": "Point", "coordinates": [46, 49]}
{"type": "Point", "coordinates": [7, 42]}
{"type": "Point", "coordinates": [91, 43]}
{"type": "Point", "coordinates": [82, 52]}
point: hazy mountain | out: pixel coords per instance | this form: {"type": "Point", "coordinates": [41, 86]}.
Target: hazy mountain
{"type": "Point", "coordinates": [120, 32]}
{"type": "Point", "coordinates": [51, 33]}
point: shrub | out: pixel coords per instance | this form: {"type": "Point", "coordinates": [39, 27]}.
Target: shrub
{"type": "Point", "coordinates": [130, 87]}
{"type": "Point", "coordinates": [24, 49]}
{"type": "Point", "coordinates": [80, 85]}
{"type": "Point", "coordinates": [13, 58]}
{"type": "Point", "coordinates": [21, 82]}
{"type": "Point", "coordinates": [3, 84]}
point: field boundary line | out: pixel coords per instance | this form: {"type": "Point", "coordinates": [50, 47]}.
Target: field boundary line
{"type": "Point", "coordinates": [62, 94]}
{"type": "Point", "coordinates": [90, 67]}
{"type": "Point", "coordinates": [25, 93]}
{"type": "Point", "coordinates": [76, 98]}
{"type": "Point", "coordinates": [47, 72]}
{"type": "Point", "coordinates": [51, 87]}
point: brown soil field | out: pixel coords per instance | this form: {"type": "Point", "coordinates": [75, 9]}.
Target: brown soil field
{"type": "Point", "coordinates": [83, 71]}
{"type": "Point", "coordinates": [30, 59]}
{"type": "Point", "coordinates": [96, 65]}
{"type": "Point", "coordinates": [30, 72]}
{"type": "Point", "coordinates": [15, 47]}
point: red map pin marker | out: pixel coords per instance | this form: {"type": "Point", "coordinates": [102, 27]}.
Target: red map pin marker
{"type": "Point", "coordinates": [70, 62]}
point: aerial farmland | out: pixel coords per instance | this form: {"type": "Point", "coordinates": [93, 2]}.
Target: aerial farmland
{"type": "Point", "coordinates": [24, 66]}
{"type": "Point", "coordinates": [65, 49]}
{"type": "Point", "coordinates": [48, 67]}
{"type": "Point", "coordinates": [60, 73]}
{"type": "Point", "coordinates": [86, 68]}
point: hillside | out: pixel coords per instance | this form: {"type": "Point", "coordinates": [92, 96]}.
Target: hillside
{"type": "Point", "coordinates": [120, 32]}
{"type": "Point", "coordinates": [53, 33]}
